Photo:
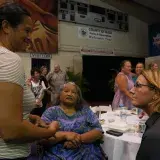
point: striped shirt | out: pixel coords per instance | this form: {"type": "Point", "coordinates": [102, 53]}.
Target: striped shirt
{"type": "Point", "coordinates": [11, 70]}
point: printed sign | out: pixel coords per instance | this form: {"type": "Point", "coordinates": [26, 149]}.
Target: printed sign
{"type": "Point", "coordinates": [94, 33]}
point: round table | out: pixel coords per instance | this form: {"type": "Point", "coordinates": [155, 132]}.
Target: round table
{"type": "Point", "coordinates": [124, 147]}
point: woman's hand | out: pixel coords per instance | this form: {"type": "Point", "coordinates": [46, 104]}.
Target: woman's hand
{"type": "Point", "coordinates": [38, 121]}
{"type": "Point", "coordinates": [75, 138]}
{"type": "Point", "coordinates": [41, 123]}
{"type": "Point", "coordinates": [47, 143]}
{"type": "Point", "coordinates": [69, 145]}
{"type": "Point", "coordinates": [54, 125]}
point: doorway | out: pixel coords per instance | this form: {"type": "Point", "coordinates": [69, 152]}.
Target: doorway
{"type": "Point", "coordinates": [38, 63]}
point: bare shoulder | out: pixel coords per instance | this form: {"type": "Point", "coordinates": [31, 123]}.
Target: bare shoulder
{"type": "Point", "coordinates": [121, 77]}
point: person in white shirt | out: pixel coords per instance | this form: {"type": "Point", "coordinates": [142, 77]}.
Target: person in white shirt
{"type": "Point", "coordinates": [37, 87]}
{"type": "Point", "coordinates": [16, 131]}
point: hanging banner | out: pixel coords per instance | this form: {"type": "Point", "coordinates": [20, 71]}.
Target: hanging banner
{"type": "Point", "coordinates": [94, 33]}
{"type": "Point", "coordinates": [96, 51]}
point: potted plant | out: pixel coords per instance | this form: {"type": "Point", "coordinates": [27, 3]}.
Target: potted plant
{"type": "Point", "coordinates": [78, 79]}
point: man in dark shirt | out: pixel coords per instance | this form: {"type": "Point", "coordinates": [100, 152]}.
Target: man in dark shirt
{"type": "Point", "coordinates": [150, 145]}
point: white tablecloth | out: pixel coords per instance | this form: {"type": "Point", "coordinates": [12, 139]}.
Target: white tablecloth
{"type": "Point", "coordinates": [124, 147]}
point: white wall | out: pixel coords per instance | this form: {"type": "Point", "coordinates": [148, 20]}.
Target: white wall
{"type": "Point", "coordinates": [132, 43]}
{"type": "Point", "coordinates": [26, 62]}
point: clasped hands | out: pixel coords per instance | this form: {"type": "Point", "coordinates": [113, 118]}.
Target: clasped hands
{"type": "Point", "coordinates": [72, 139]}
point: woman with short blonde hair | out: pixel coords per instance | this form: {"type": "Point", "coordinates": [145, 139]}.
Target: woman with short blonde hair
{"type": "Point", "coordinates": [146, 96]}
{"type": "Point", "coordinates": [153, 78]}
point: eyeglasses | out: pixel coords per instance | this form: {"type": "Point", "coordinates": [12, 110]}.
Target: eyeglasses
{"type": "Point", "coordinates": [139, 85]}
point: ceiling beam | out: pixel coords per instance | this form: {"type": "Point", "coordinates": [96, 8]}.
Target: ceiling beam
{"type": "Point", "coordinates": [152, 4]}
{"type": "Point", "coordinates": [134, 9]}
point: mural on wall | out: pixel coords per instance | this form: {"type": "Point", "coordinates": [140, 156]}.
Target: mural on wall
{"type": "Point", "coordinates": [154, 40]}
{"type": "Point", "coordinates": [44, 38]}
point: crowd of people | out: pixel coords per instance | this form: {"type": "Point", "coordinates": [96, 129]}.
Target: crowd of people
{"type": "Point", "coordinates": [45, 87]}
{"type": "Point", "coordinates": [125, 81]}
{"type": "Point", "coordinates": [48, 109]}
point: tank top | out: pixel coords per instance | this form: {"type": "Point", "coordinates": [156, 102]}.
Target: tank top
{"type": "Point", "coordinates": [120, 97]}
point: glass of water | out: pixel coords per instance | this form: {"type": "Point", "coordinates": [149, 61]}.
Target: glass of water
{"type": "Point", "coordinates": [133, 128]}
{"type": "Point", "coordinates": [123, 113]}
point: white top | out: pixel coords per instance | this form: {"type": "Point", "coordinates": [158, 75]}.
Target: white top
{"type": "Point", "coordinates": [38, 83]}
{"type": "Point", "coordinates": [38, 88]}
{"type": "Point", "coordinates": [11, 70]}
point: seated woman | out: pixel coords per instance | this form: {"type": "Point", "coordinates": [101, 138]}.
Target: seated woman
{"type": "Point", "coordinates": [80, 131]}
